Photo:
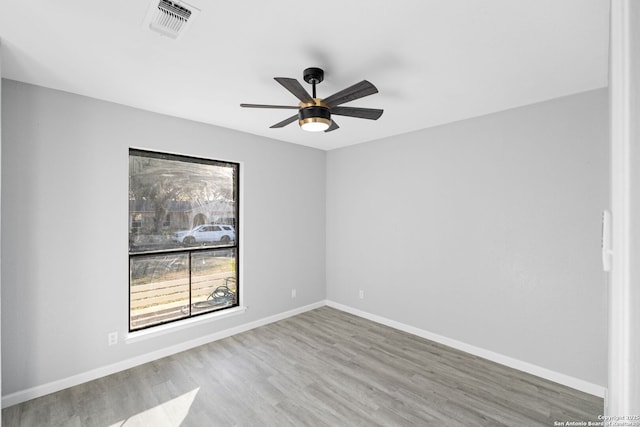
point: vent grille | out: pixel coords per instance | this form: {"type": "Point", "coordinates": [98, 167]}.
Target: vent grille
{"type": "Point", "coordinates": [169, 18]}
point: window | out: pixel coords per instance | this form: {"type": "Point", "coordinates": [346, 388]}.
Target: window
{"type": "Point", "coordinates": [183, 237]}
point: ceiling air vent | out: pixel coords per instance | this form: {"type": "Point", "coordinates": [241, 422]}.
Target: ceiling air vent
{"type": "Point", "coordinates": [170, 18]}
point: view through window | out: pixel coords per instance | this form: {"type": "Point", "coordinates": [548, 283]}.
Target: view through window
{"type": "Point", "coordinates": [183, 237]}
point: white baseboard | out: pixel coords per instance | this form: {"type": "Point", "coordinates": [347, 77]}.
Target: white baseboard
{"type": "Point", "coordinates": [520, 365]}
{"type": "Point", "coordinates": [52, 387]}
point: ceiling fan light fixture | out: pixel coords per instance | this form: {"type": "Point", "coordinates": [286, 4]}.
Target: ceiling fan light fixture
{"type": "Point", "coordinates": [314, 118]}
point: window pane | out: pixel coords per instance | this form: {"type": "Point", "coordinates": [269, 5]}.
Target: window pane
{"type": "Point", "coordinates": [171, 198]}
{"type": "Point", "coordinates": [183, 218]}
{"type": "Point", "coordinates": [159, 289]}
{"type": "Point", "coordinates": [213, 280]}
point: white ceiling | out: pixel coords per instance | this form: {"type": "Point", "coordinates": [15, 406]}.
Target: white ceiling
{"type": "Point", "coordinates": [433, 61]}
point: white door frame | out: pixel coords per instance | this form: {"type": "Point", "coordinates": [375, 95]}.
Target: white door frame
{"type": "Point", "coordinates": [623, 396]}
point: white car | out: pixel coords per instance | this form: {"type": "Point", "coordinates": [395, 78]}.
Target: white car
{"type": "Point", "coordinates": [207, 233]}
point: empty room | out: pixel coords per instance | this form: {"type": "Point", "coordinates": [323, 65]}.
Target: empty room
{"type": "Point", "coordinates": [322, 214]}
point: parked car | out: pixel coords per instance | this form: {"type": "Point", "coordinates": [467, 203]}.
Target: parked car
{"type": "Point", "coordinates": [207, 233]}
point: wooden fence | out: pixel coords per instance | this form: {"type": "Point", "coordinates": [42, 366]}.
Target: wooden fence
{"type": "Point", "coordinates": [166, 300]}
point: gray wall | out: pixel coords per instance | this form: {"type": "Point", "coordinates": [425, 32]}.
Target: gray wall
{"type": "Point", "coordinates": [485, 231]}
{"type": "Point", "coordinates": [65, 218]}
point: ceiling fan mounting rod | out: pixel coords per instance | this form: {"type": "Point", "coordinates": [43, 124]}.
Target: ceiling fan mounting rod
{"type": "Point", "coordinates": [313, 76]}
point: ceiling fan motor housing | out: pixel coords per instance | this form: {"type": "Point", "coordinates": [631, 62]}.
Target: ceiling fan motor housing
{"type": "Point", "coordinates": [315, 114]}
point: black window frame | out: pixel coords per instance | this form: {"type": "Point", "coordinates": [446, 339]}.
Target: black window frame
{"type": "Point", "coordinates": [233, 245]}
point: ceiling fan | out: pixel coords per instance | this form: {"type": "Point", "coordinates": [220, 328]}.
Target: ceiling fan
{"type": "Point", "coordinates": [314, 114]}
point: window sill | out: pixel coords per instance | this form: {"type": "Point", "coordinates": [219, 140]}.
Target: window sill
{"type": "Point", "coordinates": [156, 331]}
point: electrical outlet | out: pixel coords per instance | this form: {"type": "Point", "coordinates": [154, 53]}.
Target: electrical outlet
{"type": "Point", "coordinates": [361, 294]}
{"type": "Point", "coordinates": [293, 293]}
{"type": "Point", "coordinates": [112, 338]}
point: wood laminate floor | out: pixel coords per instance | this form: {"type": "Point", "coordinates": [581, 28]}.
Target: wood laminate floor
{"type": "Point", "coordinates": [320, 368]}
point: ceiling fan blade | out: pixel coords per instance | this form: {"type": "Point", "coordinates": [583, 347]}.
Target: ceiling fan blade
{"type": "Point", "coordinates": [281, 107]}
{"type": "Point", "coordinates": [285, 122]}
{"type": "Point", "coordinates": [357, 91]}
{"type": "Point", "coordinates": [361, 113]}
{"type": "Point", "coordinates": [333, 126]}
{"type": "Point", "coordinates": [294, 86]}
